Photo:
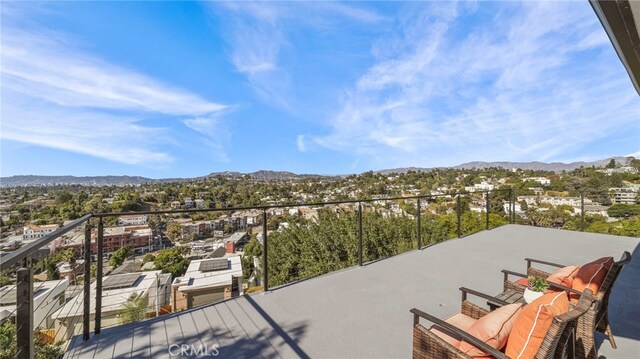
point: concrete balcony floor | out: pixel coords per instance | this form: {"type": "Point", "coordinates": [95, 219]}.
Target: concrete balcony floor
{"type": "Point", "coordinates": [363, 312]}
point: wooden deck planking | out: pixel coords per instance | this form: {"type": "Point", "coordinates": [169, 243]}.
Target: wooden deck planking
{"type": "Point", "coordinates": [141, 342]}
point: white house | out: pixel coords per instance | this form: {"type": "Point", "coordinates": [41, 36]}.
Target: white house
{"type": "Point", "coordinates": [207, 281]}
{"type": "Point", "coordinates": [555, 201]}
{"type": "Point", "coordinates": [153, 286]}
{"type": "Point", "coordinates": [624, 195]}
{"type": "Point", "coordinates": [32, 231]}
{"type": "Point", "coordinates": [199, 203]}
{"type": "Point", "coordinates": [48, 297]}
{"type": "Point", "coordinates": [542, 180]}
{"type": "Point", "coordinates": [132, 220]}
{"type": "Point", "coordinates": [484, 186]}
{"type": "Point", "coordinates": [595, 209]}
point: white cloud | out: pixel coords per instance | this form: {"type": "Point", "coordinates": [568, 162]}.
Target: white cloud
{"type": "Point", "coordinates": [57, 96]}
{"type": "Point", "coordinates": [213, 133]}
{"type": "Point", "coordinates": [302, 147]}
{"type": "Point", "coordinates": [111, 137]}
{"type": "Point", "coordinates": [258, 35]}
{"type": "Point", "coordinates": [535, 82]}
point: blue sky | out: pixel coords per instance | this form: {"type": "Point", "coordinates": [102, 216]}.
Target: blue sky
{"type": "Point", "coordinates": [181, 89]}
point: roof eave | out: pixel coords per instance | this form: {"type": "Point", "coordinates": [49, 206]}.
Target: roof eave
{"type": "Point", "coordinates": [617, 20]}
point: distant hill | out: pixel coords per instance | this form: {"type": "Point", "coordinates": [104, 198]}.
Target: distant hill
{"type": "Point", "coordinates": [552, 166]}
{"type": "Point", "coordinates": [265, 175]}
{"type": "Point", "coordinates": [542, 166]}
{"type": "Point", "coordinates": [34, 180]}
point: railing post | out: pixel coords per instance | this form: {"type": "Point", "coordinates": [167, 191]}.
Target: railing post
{"type": "Point", "coordinates": [359, 234]}
{"type": "Point", "coordinates": [265, 272]}
{"type": "Point", "coordinates": [513, 213]}
{"type": "Point", "coordinates": [458, 214]}
{"type": "Point", "coordinates": [487, 210]}
{"type": "Point", "coordinates": [87, 283]}
{"type": "Point", "coordinates": [24, 314]}
{"type": "Point", "coordinates": [419, 226]}
{"type": "Point", "coordinates": [99, 260]}
{"type": "Point", "coordinates": [510, 205]}
{"type": "Point", "coordinates": [513, 203]}
{"type": "Point", "coordinates": [582, 211]}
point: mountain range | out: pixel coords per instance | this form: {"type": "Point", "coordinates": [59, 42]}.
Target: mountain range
{"type": "Point", "coordinates": [35, 180]}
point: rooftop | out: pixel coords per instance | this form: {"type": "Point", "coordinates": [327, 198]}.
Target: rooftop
{"type": "Point", "coordinates": [363, 312]}
{"type": "Point", "coordinates": [196, 278]}
{"type": "Point", "coordinates": [113, 298]}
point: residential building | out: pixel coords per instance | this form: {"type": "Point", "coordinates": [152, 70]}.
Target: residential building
{"type": "Point", "coordinates": [236, 242]}
{"type": "Point", "coordinates": [542, 180]}
{"type": "Point", "coordinates": [117, 237]}
{"type": "Point", "coordinates": [624, 195]}
{"type": "Point", "coordinates": [483, 186]}
{"type": "Point", "coordinates": [132, 220]}
{"type": "Point", "coordinates": [517, 207]}
{"type": "Point", "coordinates": [199, 203]}
{"type": "Point", "coordinates": [136, 237]}
{"type": "Point", "coordinates": [623, 169]}
{"type": "Point", "coordinates": [594, 209]}
{"type": "Point", "coordinates": [32, 231]}
{"type": "Point", "coordinates": [153, 286]}
{"type": "Point", "coordinates": [48, 297]}
{"type": "Point", "coordinates": [555, 201]}
{"type": "Point", "coordinates": [188, 202]}
{"type": "Point", "coordinates": [207, 281]}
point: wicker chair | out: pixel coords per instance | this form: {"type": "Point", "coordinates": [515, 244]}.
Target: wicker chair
{"type": "Point", "coordinates": [558, 343]}
{"type": "Point", "coordinates": [596, 318]}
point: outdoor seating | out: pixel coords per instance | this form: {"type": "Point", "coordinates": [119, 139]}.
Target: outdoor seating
{"type": "Point", "coordinates": [447, 338]}
{"type": "Point", "coordinates": [596, 318]}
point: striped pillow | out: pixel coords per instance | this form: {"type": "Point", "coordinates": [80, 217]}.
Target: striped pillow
{"type": "Point", "coordinates": [533, 323]}
{"type": "Point", "coordinates": [591, 275]}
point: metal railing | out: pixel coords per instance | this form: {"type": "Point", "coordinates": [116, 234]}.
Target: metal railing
{"type": "Point", "coordinates": [20, 259]}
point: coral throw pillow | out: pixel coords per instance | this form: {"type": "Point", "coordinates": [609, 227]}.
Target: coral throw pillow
{"type": "Point", "coordinates": [533, 323]}
{"type": "Point", "coordinates": [493, 329]}
{"type": "Point", "coordinates": [591, 275]}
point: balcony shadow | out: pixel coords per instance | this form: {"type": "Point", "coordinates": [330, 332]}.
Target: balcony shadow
{"type": "Point", "coordinates": [234, 328]}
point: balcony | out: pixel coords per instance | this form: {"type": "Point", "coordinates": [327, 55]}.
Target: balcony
{"type": "Point", "coordinates": [363, 312]}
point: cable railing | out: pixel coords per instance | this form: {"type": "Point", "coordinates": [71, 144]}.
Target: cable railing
{"type": "Point", "coordinates": [86, 306]}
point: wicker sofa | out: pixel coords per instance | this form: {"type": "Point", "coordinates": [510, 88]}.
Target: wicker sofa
{"type": "Point", "coordinates": [596, 317]}
{"type": "Point", "coordinates": [558, 343]}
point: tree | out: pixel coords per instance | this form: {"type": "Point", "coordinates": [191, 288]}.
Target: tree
{"type": "Point", "coordinates": [174, 231]}
{"type": "Point", "coordinates": [41, 349]}
{"type": "Point", "coordinates": [623, 210]}
{"type": "Point", "coordinates": [251, 250]}
{"type": "Point", "coordinates": [134, 309]}
{"type": "Point", "coordinates": [119, 256]}
{"type": "Point", "coordinates": [611, 164]}
{"type": "Point", "coordinates": [148, 258]}
{"type": "Point", "coordinates": [172, 260]}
